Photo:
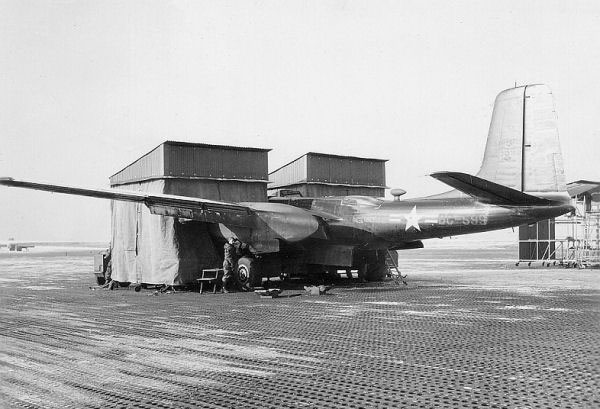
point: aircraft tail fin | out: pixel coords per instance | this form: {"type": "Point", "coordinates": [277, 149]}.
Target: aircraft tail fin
{"type": "Point", "coordinates": [523, 150]}
{"type": "Point", "coordinates": [488, 192]}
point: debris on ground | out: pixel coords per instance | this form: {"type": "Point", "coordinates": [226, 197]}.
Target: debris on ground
{"type": "Point", "coordinates": [317, 289]}
{"type": "Point", "coordinates": [270, 293]}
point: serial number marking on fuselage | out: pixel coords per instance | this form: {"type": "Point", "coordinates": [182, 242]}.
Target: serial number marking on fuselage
{"type": "Point", "coordinates": [465, 220]}
{"type": "Point", "coordinates": [370, 219]}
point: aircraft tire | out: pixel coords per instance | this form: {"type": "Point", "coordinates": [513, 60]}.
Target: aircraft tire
{"type": "Point", "coordinates": [247, 275]}
{"type": "Point", "coordinates": [332, 274]}
{"type": "Point", "coordinates": [315, 273]}
{"type": "Point", "coordinates": [376, 272]}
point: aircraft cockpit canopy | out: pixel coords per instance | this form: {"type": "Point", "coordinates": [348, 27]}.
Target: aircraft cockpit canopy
{"type": "Point", "coordinates": [361, 202]}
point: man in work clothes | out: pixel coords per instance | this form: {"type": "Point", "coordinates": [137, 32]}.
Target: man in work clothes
{"type": "Point", "coordinates": [229, 263]}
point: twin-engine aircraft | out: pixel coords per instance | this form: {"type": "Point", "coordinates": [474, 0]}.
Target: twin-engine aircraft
{"type": "Point", "coordinates": [13, 245]}
{"type": "Point", "coordinates": [521, 181]}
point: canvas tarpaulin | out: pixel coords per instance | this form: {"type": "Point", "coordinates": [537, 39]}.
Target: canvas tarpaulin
{"type": "Point", "coordinates": [155, 249]}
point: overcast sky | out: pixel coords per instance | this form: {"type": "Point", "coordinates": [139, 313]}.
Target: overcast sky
{"type": "Point", "coordinates": [86, 87]}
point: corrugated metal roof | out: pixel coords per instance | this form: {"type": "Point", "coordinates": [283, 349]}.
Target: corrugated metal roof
{"type": "Point", "coordinates": [582, 186]}
{"type": "Point", "coordinates": [328, 155]}
{"type": "Point", "coordinates": [207, 145]}
{"type": "Point", "coordinates": [330, 169]}
{"type": "Point", "coordinates": [150, 165]}
{"type": "Point", "coordinates": [293, 171]}
{"type": "Point", "coordinates": [172, 159]}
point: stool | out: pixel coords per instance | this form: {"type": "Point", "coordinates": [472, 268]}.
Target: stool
{"type": "Point", "coordinates": [210, 276]}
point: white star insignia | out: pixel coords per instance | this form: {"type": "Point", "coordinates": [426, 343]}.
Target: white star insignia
{"type": "Point", "coordinates": [412, 220]}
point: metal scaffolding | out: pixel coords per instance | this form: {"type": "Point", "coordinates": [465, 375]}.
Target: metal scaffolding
{"type": "Point", "coordinates": [580, 242]}
{"type": "Point", "coordinates": [572, 240]}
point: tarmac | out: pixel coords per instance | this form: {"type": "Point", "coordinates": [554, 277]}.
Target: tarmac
{"type": "Point", "coordinates": [470, 330]}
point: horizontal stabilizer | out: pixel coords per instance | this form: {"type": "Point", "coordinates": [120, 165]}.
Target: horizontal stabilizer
{"type": "Point", "coordinates": [488, 192]}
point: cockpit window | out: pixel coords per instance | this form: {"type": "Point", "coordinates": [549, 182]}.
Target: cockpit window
{"type": "Point", "coordinates": [361, 201]}
{"type": "Point", "coordinates": [326, 204]}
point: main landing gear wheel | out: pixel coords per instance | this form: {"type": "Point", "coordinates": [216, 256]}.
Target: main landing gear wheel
{"type": "Point", "coordinates": [377, 268]}
{"type": "Point", "coordinates": [247, 275]}
{"type": "Point", "coordinates": [376, 272]}
{"type": "Point", "coordinates": [315, 273]}
{"type": "Point", "coordinates": [332, 274]}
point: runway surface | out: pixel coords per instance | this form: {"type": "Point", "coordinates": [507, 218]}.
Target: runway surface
{"type": "Point", "coordinates": [470, 330]}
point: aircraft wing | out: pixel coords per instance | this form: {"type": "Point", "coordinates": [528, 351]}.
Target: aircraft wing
{"type": "Point", "coordinates": [192, 208]}
{"type": "Point", "coordinates": [270, 220]}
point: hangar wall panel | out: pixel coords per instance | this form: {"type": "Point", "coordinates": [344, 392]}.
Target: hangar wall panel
{"type": "Point", "coordinates": [124, 239]}
{"type": "Point", "coordinates": [322, 190]}
{"type": "Point", "coordinates": [196, 161]}
{"type": "Point", "coordinates": [225, 190]}
{"type": "Point", "coordinates": [293, 172]}
{"type": "Point", "coordinates": [332, 169]}
{"type": "Point", "coordinates": [348, 171]}
{"type": "Point", "coordinates": [141, 242]}
{"type": "Point", "coordinates": [156, 249]}
{"type": "Point", "coordinates": [207, 161]}
{"type": "Point", "coordinates": [149, 166]}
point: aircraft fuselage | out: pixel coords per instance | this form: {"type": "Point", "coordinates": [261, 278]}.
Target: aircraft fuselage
{"type": "Point", "coordinates": [373, 223]}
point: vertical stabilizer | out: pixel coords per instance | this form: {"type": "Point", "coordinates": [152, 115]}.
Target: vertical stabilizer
{"type": "Point", "coordinates": [523, 151]}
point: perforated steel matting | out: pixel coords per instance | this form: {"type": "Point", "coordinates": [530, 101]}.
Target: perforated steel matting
{"type": "Point", "coordinates": [431, 344]}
